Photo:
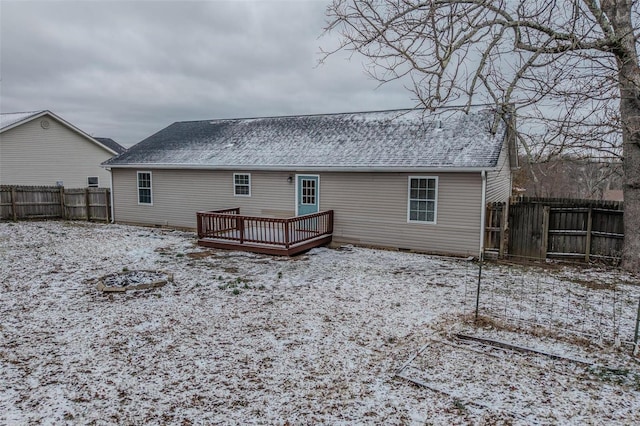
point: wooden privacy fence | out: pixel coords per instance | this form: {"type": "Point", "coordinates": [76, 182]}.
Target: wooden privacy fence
{"type": "Point", "coordinates": [556, 228]}
{"type": "Point", "coordinates": [52, 202]}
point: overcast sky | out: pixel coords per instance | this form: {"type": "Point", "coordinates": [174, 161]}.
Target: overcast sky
{"type": "Point", "coordinates": [126, 69]}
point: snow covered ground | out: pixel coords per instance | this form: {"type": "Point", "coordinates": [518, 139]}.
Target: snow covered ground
{"type": "Point", "coordinates": [252, 339]}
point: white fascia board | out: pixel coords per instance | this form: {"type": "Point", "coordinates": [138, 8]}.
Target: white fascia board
{"type": "Point", "coordinates": [303, 169]}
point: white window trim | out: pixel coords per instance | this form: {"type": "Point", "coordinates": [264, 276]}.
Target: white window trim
{"type": "Point", "coordinates": [97, 185]}
{"type": "Point", "coordinates": [435, 205]}
{"type": "Point", "coordinates": [237, 185]}
{"type": "Point", "coordinates": [138, 188]}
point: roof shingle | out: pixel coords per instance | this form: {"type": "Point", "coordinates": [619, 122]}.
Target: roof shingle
{"type": "Point", "coordinates": [385, 140]}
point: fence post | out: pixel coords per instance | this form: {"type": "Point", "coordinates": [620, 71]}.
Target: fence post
{"type": "Point", "coordinates": [478, 289]}
{"type": "Point", "coordinates": [107, 203]}
{"type": "Point", "coordinates": [635, 334]}
{"type": "Point", "coordinates": [546, 210]}
{"type": "Point", "coordinates": [63, 209]}
{"type": "Point", "coordinates": [14, 211]}
{"type": "Point", "coordinates": [587, 248]}
{"type": "Point", "coordinates": [503, 229]}
{"type": "Point", "coordinates": [87, 203]}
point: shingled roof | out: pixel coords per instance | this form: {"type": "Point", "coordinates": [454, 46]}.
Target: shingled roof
{"type": "Point", "coordinates": [10, 118]}
{"type": "Point", "coordinates": [383, 140]}
{"type": "Point", "coordinates": [110, 143]}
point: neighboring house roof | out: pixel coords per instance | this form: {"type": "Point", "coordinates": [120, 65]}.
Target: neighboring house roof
{"type": "Point", "coordinates": [110, 143]}
{"type": "Point", "coordinates": [14, 119]}
{"type": "Point", "coordinates": [9, 119]}
{"type": "Point", "coordinates": [398, 140]}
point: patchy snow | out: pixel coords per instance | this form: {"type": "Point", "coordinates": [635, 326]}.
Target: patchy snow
{"type": "Point", "coordinates": [246, 338]}
{"type": "Point", "coordinates": [11, 118]}
{"type": "Point", "coordinates": [399, 139]}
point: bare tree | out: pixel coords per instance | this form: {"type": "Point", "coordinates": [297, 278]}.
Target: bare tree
{"type": "Point", "coordinates": [567, 69]}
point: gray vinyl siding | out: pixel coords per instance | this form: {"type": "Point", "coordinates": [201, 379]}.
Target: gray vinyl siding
{"type": "Point", "coordinates": [499, 181]}
{"type": "Point", "coordinates": [370, 208]}
{"type": "Point", "coordinates": [179, 194]}
{"type": "Point", "coordinates": [31, 155]}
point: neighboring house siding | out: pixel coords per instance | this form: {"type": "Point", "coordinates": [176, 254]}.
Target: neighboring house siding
{"type": "Point", "coordinates": [370, 208]}
{"type": "Point", "coordinates": [499, 181]}
{"type": "Point", "coordinates": [31, 155]}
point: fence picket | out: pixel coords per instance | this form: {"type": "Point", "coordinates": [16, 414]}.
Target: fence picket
{"type": "Point", "coordinates": [46, 202]}
{"type": "Point", "coordinates": [538, 228]}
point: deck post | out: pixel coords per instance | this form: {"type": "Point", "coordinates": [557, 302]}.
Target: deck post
{"type": "Point", "coordinates": [241, 226]}
{"type": "Point", "coordinates": [199, 224]}
{"type": "Point", "coordinates": [286, 233]}
{"type": "Point", "coordinates": [330, 229]}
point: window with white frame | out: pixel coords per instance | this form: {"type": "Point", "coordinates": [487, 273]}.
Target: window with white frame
{"type": "Point", "coordinates": [144, 188]}
{"type": "Point", "coordinates": [423, 194]}
{"type": "Point", "coordinates": [92, 181]}
{"type": "Point", "coordinates": [242, 184]}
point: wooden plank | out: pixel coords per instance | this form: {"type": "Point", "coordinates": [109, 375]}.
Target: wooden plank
{"type": "Point", "coordinates": [545, 232]}
{"type": "Point", "coordinates": [273, 250]}
{"type": "Point", "coordinates": [503, 230]}
{"type": "Point", "coordinates": [587, 244]}
{"type": "Point", "coordinates": [107, 200]}
{"type": "Point", "coordinates": [63, 210]}
{"type": "Point", "coordinates": [13, 204]}
{"type": "Point", "coordinates": [87, 203]}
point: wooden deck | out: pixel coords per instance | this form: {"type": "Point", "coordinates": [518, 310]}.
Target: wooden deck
{"type": "Point", "coordinates": [227, 229]}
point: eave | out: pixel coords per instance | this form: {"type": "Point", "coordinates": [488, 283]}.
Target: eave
{"type": "Point", "coordinates": [293, 168]}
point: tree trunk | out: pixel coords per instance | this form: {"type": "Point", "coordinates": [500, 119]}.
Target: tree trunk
{"type": "Point", "coordinates": [630, 114]}
{"type": "Point", "coordinates": [619, 13]}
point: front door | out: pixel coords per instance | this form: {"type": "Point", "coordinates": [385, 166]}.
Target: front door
{"type": "Point", "coordinates": [307, 188]}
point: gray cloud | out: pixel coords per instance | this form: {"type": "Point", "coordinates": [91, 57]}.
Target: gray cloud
{"type": "Point", "coordinates": [124, 69]}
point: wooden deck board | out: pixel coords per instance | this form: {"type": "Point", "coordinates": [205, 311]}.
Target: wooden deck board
{"type": "Point", "coordinates": [275, 249]}
{"type": "Point", "coordinates": [228, 229]}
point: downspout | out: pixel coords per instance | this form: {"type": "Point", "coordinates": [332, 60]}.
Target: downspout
{"type": "Point", "coordinates": [483, 213]}
{"type": "Point", "coordinates": [113, 218]}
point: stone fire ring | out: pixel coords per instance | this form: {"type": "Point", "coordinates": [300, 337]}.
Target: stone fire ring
{"type": "Point", "coordinates": [133, 280]}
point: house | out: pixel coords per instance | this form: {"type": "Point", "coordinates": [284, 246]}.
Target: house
{"type": "Point", "coordinates": [40, 148]}
{"type": "Point", "coordinates": [400, 179]}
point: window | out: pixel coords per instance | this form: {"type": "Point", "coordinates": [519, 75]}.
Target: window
{"type": "Point", "coordinates": [92, 181]}
{"type": "Point", "coordinates": [144, 188]}
{"type": "Point", "coordinates": [242, 184]}
{"type": "Point", "coordinates": [423, 194]}
{"type": "Point", "coordinates": [308, 191]}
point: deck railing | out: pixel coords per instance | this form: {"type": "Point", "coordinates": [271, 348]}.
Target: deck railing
{"type": "Point", "coordinates": [230, 225]}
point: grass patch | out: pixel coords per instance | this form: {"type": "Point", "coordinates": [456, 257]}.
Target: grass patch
{"type": "Point", "coordinates": [236, 284]}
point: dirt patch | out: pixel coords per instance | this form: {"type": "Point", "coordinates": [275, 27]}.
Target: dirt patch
{"type": "Point", "coordinates": [199, 254]}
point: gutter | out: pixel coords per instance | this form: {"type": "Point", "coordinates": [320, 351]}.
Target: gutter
{"type": "Point", "coordinates": [290, 168]}
{"type": "Point", "coordinates": [483, 213]}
